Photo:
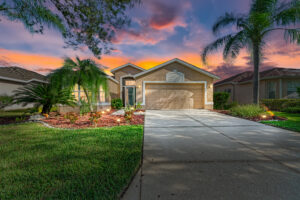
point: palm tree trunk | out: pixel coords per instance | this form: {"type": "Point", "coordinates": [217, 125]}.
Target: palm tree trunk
{"type": "Point", "coordinates": [256, 62]}
{"type": "Point", "coordinates": [46, 108]}
{"type": "Point", "coordinates": [88, 99]}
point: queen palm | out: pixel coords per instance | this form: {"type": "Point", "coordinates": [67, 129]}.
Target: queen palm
{"type": "Point", "coordinates": [85, 73]}
{"type": "Point", "coordinates": [264, 17]}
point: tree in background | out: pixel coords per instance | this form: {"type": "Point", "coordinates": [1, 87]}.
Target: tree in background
{"type": "Point", "coordinates": [264, 17]}
{"type": "Point", "coordinates": [43, 95]}
{"type": "Point", "coordinates": [84, 73]}
{"type": "Point", "coordinates": [81, 22]}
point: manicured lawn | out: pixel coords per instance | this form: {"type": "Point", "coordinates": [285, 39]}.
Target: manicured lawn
{"type": "Point", "coordinates": [42, 163]}
{"type": "Point", "coordinates": [293, 122]}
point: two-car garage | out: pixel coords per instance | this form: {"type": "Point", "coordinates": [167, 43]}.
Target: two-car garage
{"type": "Point", "coordinates": [174, 95]}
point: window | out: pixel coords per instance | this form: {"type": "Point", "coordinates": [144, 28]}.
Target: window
{"type": "Point", "coordinates": [271, 90]}
{"type": "Point", "coordinates": [228, 90]}
{"type": "Point", "coordinates": [78, 93]}
{"type": "Point", "coordinates": [101, 95]}
{"type": "Point", "coordinates": [292, 86]}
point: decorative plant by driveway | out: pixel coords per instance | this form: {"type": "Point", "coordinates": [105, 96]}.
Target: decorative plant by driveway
{"type": "Point", "coordinates": [85, 73]}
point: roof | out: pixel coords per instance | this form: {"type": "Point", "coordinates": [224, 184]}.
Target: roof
{"type": "Point", "coordinates": [267, 74]}
{"type": "Point", "coordinates": [181, 62]}
{"type": "Point", "coordinates": [126, 65]}
{"type": "Point", "coordinates": [19, 74]}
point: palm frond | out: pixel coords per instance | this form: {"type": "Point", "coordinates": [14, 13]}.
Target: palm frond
{"type": "Point", "coordinates": [263, 6]}
{"type": "Point", "coordinates": [214, 46]}
{"type": "Point", "coordinates": [288, 13]}
{"type": "Point", "coordinates": [292, 35]}
{"type": "Point", "coordinates": [226, 20]}
{"type": "Point", "coordinates": [234, 45]}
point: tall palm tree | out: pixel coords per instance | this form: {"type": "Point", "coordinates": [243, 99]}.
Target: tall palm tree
{"type": "Point", "coordinates": [85, 73]}
{"type": "Point", "coordinates": [264, 17]}
{"type": "Point", "coordinates": [43, 95]}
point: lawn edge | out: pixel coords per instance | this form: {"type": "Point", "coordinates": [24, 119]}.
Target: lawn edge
{"type": "Point", "coordinates": [135, 173]}
{"type": "Point", "coordinates": [280, 127]}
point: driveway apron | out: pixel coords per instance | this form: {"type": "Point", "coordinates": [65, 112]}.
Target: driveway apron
{"type": "Point", "coordinates": [199, 154]}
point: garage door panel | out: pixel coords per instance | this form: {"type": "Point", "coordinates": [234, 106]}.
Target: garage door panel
{"type": "Point", "coordinates": [174, 96]}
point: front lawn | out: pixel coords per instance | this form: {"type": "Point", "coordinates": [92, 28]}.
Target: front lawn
{"type": "Point", "coordinates": [292, 122]}
{"type": "Point", "coordinates": [41, 163]}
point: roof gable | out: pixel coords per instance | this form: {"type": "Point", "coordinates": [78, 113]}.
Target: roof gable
{"type": "Point", "coordinates": [19, 74]}
{"type": "Point", "coordinates": [181, 62]}
{"type": "Point", "coordinates": [127, 65]}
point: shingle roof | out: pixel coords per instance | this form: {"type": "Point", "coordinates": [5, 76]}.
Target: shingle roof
{"type": "Point", "coordinates": [20, 74]}
{"type": "Point", "coordinates": [271, 73]}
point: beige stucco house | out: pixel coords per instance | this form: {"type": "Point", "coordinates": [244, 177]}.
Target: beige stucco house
{"type": "Point", "coordinates": [174, 84]}
{"type": "Point", "coordinates": [12, 78]}
{"type": "Point", "coordinates": [275, 83]}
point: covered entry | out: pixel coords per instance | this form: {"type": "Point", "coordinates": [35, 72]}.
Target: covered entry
{"type": "Point", "coordinates": [174, 96]}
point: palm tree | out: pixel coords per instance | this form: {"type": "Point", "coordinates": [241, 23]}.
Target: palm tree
{"type": "Point", "coordinates": [85, 73]}
{"type": "Point", "coordinates": [43, 95]}
{"type": "Point", "coordinates": [264, 17]}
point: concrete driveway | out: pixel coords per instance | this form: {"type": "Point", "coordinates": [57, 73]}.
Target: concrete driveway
{"type": "Point", "coordinates": [198, 154]}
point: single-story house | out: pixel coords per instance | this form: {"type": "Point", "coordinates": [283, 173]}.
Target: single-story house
{"type": "Point", "coordinates": [275, 83]}
{"type": "Point", "coordinates": [174, 84]}
{"type": "Point", "coordinates": [12, 78]}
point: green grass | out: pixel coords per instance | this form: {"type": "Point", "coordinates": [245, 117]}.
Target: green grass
{"type": "Point", "coordinates": [41, 163]}
{"type": "Point", "coordinates": [12, 114]}
{"type": "Point", "coordinates": [293, 122]}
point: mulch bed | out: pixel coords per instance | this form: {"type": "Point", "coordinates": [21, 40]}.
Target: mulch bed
{"type": "Point", "coordinates": [106, 120]}
{"type": "Point", "coordinates": [11, 120]}
{"type": "Point", "coordinates": [256, 119]}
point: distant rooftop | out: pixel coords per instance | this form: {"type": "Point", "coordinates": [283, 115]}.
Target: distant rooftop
{"type": "Point", "coordinates": [21, 74]}
{"type": "Point", "coordinates": [274, 72]}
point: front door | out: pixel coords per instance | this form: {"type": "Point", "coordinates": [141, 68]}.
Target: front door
{"type": "Point", "coordinates": [129, 95]}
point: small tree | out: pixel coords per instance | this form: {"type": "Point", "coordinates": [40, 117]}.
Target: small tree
{"type": "Point", "coordinates": [43, 95]}
{"type": "Point", "coordinates": [85, 73]}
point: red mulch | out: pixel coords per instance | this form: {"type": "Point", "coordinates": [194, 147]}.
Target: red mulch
{"type": "Point", "coordinates": [256, 119]}
{"type": "Point", "coordinates": [11, 120]}
{"type": "Point", "coordinates": [106, 120]}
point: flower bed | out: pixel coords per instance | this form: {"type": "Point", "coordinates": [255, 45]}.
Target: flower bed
{"type": "Point", "coordinates": [256, 119]}
{"type": "Point", "coordinates": [106, 120]}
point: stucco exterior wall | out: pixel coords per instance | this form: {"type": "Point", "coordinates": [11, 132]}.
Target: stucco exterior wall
{"type": "Point", "coordinates": [126, 71]}
{"type": "Point", "coordinates": [7, 88]}
{"type": "Point", "coordinates": [225, 87]}
{"type": "Point", "coordinates": [160, 75]}
{"type": "Point", "coordinates": [113, 90]}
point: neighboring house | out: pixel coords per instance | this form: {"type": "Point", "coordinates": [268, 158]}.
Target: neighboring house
{"type": "Point", "coordinates": [12, 78]}
{"type": "Point", "coordinates": [174, 84]}
{"type": "Point", "coordinates": [275, 83]}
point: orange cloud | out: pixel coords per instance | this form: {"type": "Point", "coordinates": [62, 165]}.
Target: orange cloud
{"type": "Point", "coordinates": [30, 61]}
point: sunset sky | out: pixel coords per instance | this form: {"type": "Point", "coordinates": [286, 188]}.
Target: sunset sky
{"type": "Point", "coordinates": [159, 31]}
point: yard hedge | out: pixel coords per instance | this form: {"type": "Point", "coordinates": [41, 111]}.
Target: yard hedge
{"type": "Point", "coordinates": [280, 104]}
{"type": "Point", "coordinates": [220, 99]}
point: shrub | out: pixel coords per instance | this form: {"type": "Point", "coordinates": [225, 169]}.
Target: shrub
{"type": "Point", "coordinates": [292, 110]}
{"type": "Point", "coordinates": [280, 104]}
{"type": "Point", "coordinates": [128, 113]}
{"type": "Point", "coordinates": [94, 117]}
{"type": "Point", "coordinates": [116, 103]}
{"type": "Point", "coordinates": [298, 91]}
{"type": "Point", "coordinates": [72, 117]}
{"type": "Point", "coordinates": [138, 106]}
{"type": "Point", "coordinates": [5, 101]}
{"type": "Point", "coordinates": [220, 99]}
{"type": "Point", "coordinates": [247, 111]}
{"type": "Point", "coordinates": [231, 105]}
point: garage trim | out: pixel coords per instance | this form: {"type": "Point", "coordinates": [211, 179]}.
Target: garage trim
{"type": "Point", "coordinates": [186, 82]}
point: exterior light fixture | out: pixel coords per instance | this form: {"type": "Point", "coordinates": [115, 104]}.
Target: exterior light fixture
{"type": "Point", "coordinates": [264, 116]}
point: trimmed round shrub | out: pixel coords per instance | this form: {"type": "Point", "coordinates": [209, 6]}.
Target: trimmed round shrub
{"type": "Point", "coordinates": [292, 110]}
{"type": "Point", "coordinates": [116, 103]}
